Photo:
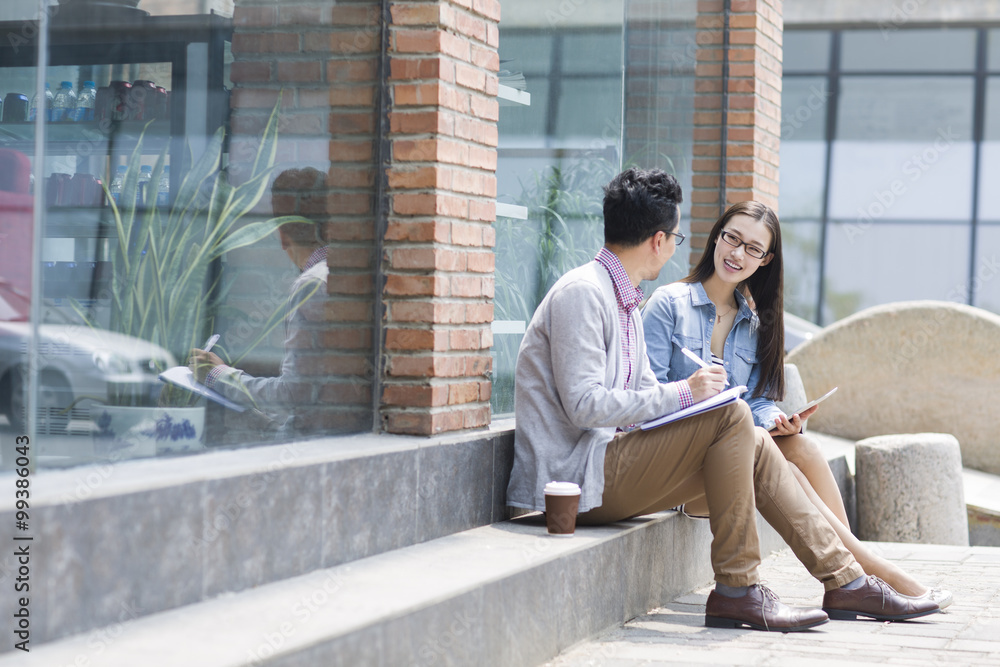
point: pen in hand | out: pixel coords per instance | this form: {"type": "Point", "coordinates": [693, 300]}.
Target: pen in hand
{"type": "Point", "coordinates": [698, 360]}
{"type": "Point", "coordinates": [210, 343]}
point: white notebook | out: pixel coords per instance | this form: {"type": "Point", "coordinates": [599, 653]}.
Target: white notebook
{"type": "Point", "coordinates": [182, 376]}
{"type": "Point", "coordinates": [717, 401]}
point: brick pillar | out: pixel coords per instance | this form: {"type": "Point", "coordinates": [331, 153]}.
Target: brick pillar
{"type": "Point", "coordinates": [438, 253]}
{"type": "Point", "coordinates": [753, 112]}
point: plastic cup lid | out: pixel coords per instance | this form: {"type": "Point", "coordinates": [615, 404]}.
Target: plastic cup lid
{"type": "Point", "coordinates": [562, 489]}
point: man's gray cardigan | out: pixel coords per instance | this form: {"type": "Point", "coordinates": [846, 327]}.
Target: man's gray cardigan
{"type": "Point", "coordinates": [570, 394]}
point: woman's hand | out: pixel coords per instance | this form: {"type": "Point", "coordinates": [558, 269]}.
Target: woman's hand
{"type": "Point", "coordinates": [791, 426]}
{"type": "Point", "coordinates": [201, 362]}
{"type": "Point", "coordinates": [707, 382]}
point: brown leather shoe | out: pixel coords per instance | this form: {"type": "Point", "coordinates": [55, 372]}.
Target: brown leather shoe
{"type": "Point", "coordinates": [761, 609]}
{"type": "Point", "coordinates": [875, 599]}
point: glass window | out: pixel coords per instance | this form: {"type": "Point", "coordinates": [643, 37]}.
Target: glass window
{"type": "Point", "coordinates": [592, 53]}
{"type": "Point", "coordinates": [800, 244]}
{"type": "Point", "coordinates": [527, 52]}
{"type": "Point", "coordinates": [803, 148]}
{"type": "Point", "coordinates": [590, 111]}
{"type": "Point", "coordinates": [908, 50]}
{"type": "Point", "coordinates": [922, 180]}
{"type": "Point", "coordinates": [899, 149]}
{"type": "Point", "coordinates": [872, 264]}
{"type": "Point", "coordinates": [986, 272]}
{"type": "Point", "coordinates": [878, 108]}
{"type": "Point", "coordinates": [803, 168]}
{"type": "Point", "coordinates": [145, 133]}
{"type": "Point", "coordinates": [989, 176]}
{"type": "Point", "coordinates": [993, 62]}
{"type": "Point", "coordinates": [806, 50]}
{"type": "Point", "coordinates": [556, 155]}
{"type": "Point", "coordinates": [989, 155]}
{"type": "Point", "coordinates": [991, 126]}
{"type": "Point", "coordinates": [524, 124]}
{"type": "Point", "coordinates": [804, 105]}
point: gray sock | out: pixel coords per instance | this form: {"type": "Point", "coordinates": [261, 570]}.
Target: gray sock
{"type": "Point", "coordinates": [857, 583]}
{"type": "Point", "coordinates": [731, 591]}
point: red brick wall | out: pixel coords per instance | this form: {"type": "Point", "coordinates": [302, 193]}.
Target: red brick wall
{"type": "Point", "coordinates": [753, 112]}
{"type": "Point", "coordinates": [438, 255]}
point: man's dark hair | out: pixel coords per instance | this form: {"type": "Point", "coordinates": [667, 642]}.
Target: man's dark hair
{"type": "Point", "coordinates": [301, 192]}
{"type": "Point", "coordinates": [638, 203]}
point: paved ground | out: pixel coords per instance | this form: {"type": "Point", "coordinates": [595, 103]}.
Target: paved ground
{"type": "Point", "coordinates": [967, 633]}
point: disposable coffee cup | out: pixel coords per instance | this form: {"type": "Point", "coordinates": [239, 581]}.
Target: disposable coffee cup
{"type": "Point", "coordinates": [562, 500]}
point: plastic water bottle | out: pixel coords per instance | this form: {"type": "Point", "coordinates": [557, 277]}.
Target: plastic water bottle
{"type": "Point", "coordinates": [163, 191]}
{"type": "Point", "coordinates": [47, 112]}
{"type": "Point", "coordinates": [142, 190]}
{"type": "Point", "coordinates": [64, 103]}
{"type": "Point", "coordinates": [84, 110]}
{"type": "Point", "coordinates": [116, 184]}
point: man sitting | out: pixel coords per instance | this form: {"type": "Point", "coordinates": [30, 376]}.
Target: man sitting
{"type": "Point", "coordinates": [582, 384]}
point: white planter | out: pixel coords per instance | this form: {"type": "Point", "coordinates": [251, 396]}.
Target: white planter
{"type": "Point", "coordinates": [128, 432]}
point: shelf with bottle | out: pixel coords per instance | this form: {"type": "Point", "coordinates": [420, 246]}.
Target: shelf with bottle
{"type": "Point", "coordinates": [93, 137]}
{"type": "Point", "coordinates": [77, 204]}
{"type": "Point", "coordinates": [110, 117]}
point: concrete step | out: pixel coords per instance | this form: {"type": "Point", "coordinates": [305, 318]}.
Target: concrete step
{"type": "Point", "coordinates": [505, 594]}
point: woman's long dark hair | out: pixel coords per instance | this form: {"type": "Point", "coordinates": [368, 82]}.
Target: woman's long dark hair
{"type": "Point", "coordinates": [765, 289]}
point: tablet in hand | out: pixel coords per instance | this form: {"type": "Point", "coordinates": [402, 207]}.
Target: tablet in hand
{"type": "Point", "coordinates": [816, 402]}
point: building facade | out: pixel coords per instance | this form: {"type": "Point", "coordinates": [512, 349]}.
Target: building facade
{"type": "Point", "coordinates": [445, 159]}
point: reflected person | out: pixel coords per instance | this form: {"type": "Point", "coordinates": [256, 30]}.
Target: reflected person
{"type": "Point", "coordinates": [276, 397]}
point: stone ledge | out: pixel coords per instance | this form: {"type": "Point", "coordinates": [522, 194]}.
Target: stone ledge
{"type": "Point", "coordinates": [141, 537]}
{"type": "Point", "coordinates": [505, 594]}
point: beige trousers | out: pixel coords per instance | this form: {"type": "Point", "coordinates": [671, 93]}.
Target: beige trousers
{"type": "Point", "coordinates": [719, 454]}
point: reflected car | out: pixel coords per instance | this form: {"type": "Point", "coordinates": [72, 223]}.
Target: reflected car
{"type": "Point", "coordinates": [77, 365]}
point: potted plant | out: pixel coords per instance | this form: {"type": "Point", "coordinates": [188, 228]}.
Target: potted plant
{"type": "Point", "coordinates": [162, 285]}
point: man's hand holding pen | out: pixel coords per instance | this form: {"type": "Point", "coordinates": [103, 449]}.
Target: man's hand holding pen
{"type": "Point", "coordinates": [202, 361]}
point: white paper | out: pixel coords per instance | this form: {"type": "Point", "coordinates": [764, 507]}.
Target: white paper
{"type": "Point", "coordinates": [717, 401]}
{"type": "Point", "coordinates": [182, 376]}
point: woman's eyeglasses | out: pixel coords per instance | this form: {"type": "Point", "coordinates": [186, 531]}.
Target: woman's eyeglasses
{"type": "Point", "coordinates": [735, 241]}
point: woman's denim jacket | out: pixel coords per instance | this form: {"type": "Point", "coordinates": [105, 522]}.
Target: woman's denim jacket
{"type": "Point", "coordinates": [681, 315]}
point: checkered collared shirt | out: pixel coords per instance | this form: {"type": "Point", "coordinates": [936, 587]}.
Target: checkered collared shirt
{"type": "Point", "coordinates": [628, 297]}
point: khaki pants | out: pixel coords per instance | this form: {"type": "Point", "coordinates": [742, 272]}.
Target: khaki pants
{"type": "Point", "coordinates": [719, 454]}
